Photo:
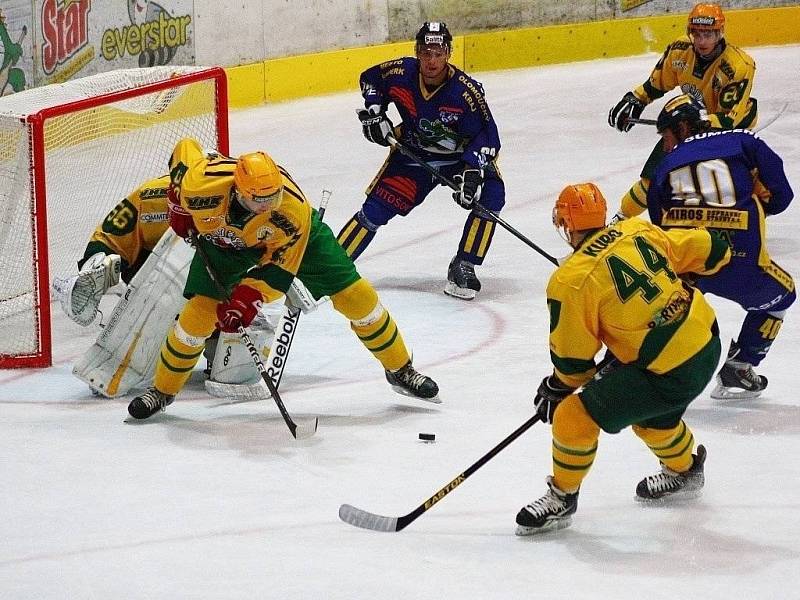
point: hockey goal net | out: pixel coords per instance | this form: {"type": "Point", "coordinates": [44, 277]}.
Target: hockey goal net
{"type": "Point", "coordinates": [68, 154]}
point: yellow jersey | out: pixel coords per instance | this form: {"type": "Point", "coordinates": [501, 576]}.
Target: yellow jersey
{"type": "Point", "coordinates": [621, 288]}
{"type": "Point", "coordinates": [722, 85]}
{"type": "Point", "coordinates": [207, 192]}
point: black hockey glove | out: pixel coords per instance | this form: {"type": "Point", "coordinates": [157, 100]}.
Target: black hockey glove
{"type": "Point", "coordinates": [549, 395]}
{"type": "Point", "coordinates": [630, 107]}
{"type": "Point", "coordinates": [470, 183]}
{"type": "Point", "coordinates": [375, 125]}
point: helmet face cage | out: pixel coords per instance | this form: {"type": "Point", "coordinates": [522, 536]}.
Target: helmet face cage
{"type": "Point", "coordinates": [706, 17]}
{"type": "Point", "coordinates": [434, 33]}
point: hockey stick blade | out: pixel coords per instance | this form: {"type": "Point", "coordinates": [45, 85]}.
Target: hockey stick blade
{"type": "Point", "coordinates": [303, 431]}
{"type": "Point", "coordinates": [367, 520]}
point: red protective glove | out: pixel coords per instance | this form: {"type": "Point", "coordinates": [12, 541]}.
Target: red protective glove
{"type": "Point", "coordinates": [179, 218]}
{"type": "Point", "coordinates": [241, 309]}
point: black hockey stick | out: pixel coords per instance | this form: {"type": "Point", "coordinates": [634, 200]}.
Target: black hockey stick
{"type": "Point", "coordinates": [641, 121]}
{"type": "Point", "coordinates": [298, 431]}
{"type": "Point", "coordinates": [367, 520]}
{"type": "Point", "coordinates": [479, 209]}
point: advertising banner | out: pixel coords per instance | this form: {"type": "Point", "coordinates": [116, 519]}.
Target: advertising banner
{"type": "Point", "coordinates": [16, 46]}
{"type": "Point", "coordinates": [75, 38]}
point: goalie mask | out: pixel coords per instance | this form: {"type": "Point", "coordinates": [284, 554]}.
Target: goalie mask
{"type": "Point", "coordinates": [258, 182]}
{"type": "Point", "coordinates": [580, 207]}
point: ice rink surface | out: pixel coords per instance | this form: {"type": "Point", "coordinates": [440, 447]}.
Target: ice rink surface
{"type": "Point", "coordinates": [214, 499]}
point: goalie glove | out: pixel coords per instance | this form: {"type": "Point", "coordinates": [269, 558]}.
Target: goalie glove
{"type": "Point", "coordinates": [470, 182]}
{"type": "Point", "coordinates": [80, 295]}
{"type": "Point", "coordinates": [375, 125]}
{"type": "Point", "coordinates": [549, 395]}
{"type": "Point", "coordinates": [240, 309]}
{"type": "Point", "coordinates": [630, 107]}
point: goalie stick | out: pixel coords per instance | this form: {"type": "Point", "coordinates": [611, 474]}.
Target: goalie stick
{"type": "Point", "coordinates": [480, 209]}
{"type": "Point", "coordinates": [367, 520]}
{"type": "Point", "coordinates": [298, 431]}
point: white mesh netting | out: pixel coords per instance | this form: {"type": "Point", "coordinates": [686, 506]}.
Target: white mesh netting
{"type": "Point", "coordinates": [93, 158]}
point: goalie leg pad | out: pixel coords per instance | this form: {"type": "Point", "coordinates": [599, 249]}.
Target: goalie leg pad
{"type": "Point", "coordinates": [125, 353]}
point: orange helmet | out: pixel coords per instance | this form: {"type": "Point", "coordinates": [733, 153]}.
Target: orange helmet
{"type": "Point", "coordinates": [258, 181]}
{"type": "Point", "coordinates": [580, 207]}
{"type": "Point", "coordinates": [706, 16]}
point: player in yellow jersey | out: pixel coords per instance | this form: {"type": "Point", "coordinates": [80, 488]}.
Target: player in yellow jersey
{"type": "Point", "coordinates": [621, 288]}
{"type": "Point", "coordinates": [704, 65]}
{"type": "Point", "coordinates": [260, 232]}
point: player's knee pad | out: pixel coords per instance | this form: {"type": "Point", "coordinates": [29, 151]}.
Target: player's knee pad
{"type": "Point", "coordinates": [357, 301]}
{"type": "Point", "coordinates": [476, 238]}
{"type": "Point", "coordinates": [493, 194]}
{"type": "Point", "coordinates": [198, 319]}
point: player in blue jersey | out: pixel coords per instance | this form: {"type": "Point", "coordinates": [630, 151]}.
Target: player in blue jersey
{"type": "Point", "coordinates": [446, 121]}
{"type": "Point", "coordinates": [707, 180]}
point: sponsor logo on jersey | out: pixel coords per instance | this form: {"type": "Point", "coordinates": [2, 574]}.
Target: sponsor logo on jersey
{"type": "Point", "coordinates": [225, 238]}
{"type": "Point", "coordinates": [154, 217]}
{"type": "Point", "coordinates": [675, 310]}
{"type": "Point", "coordinates": [150, 193]}
{"type": "Point", "coordinates": [449, 114]}
{"type": "Point", "coordinates": [203, 202]}
{"type": "Point", "coordinates": [715, 218]}
{"type": "Point", "coordinates": [679, 64]}
{"type": "Point", "coordinates": [393, 71]}
{"type": "Point", "coordinates": [264, 232]}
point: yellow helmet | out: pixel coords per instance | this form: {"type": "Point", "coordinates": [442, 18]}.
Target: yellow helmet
{"type": "Point", "coordinates": [706, 16]}
{"type": "Point", "coordinates": [580, 207]}
{"type": "Point", "coordinates": [258, 181]}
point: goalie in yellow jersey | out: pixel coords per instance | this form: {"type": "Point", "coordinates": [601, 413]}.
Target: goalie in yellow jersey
{"type": "Point", "coordinates": [622, 288]}
{"type": "Point", "coordinates": [704, 65]}
{"type": "Point", "coordinates": [260, 232]}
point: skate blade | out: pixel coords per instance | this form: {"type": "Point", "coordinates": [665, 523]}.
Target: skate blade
{"type": "Point", "coordinates": [676, 498]}
{"type": "Point", "coordinates": [551, 525]}
{"type": "Point", "coordinates": [451, 289]}
{"type": "Point", "coordinates": [725, 393]}
{"type": "Point", "coordinates": [405, 392]}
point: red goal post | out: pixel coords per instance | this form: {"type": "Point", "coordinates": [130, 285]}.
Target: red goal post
{"type": "Point", "coordinates": [68, 154]}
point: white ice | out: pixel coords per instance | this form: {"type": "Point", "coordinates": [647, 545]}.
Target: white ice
{"type": "Point", "coordinates": [216, 500]}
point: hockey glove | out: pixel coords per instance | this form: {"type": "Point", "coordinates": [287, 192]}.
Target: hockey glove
{"type": "Point", "coordinates": [549, 395]}
{"type": "Point", "coordinates": [630, 107]}
{"type": "Point", "coordinates": [469, 192]}
{"type": "Point", "coordinates": [375, 125]}
{"type": "Point", "coordinates": [240, 310]}
{"type": "Point", "coordinates": [179, 218]}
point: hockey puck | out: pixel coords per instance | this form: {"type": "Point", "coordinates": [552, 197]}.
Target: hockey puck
{"type": "Point", "coordinates": [427, 437]}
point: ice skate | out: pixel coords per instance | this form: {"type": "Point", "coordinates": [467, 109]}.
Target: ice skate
{"type": "Point", "coordinates": [149, 403]}
{"type": "Point", "coordinates": [668, 484]}
{"type": "Point", "coordinates": [737, 380]}
{"type": "Point", "coordinates": [409, 382]}
{"type": "Point", "coordinates": [461, 280]}
{"type": "Point", "coordinates": [551, 512]}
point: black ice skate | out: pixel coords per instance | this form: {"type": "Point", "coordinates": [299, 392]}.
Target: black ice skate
{"type": "Point", "coordinates": [461, 280]}
{"type": "Point", "coordinates": [551, 512]}
{"type": "Point", "coordinates": [737, 380]}
{"type": "Point", "coordinates": [668, 484]}
{"type": "Point", "coordinates": [407, 381]}
{"type": "Point", "coordinates": [149, 403]}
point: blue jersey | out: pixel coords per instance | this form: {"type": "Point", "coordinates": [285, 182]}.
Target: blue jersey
{"type": "Point", "coordinates": [708, 181]}
{"type": "Point", "coordinates": [450, 123]}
